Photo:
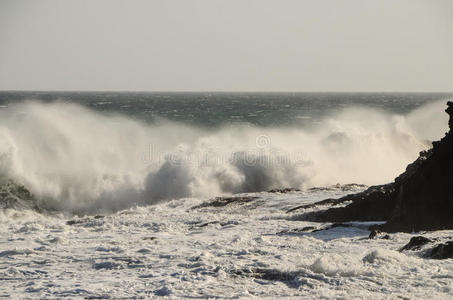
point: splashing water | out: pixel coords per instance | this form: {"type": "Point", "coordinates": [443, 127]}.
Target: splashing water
{"type": "Point", "coordinates": [76, 159]}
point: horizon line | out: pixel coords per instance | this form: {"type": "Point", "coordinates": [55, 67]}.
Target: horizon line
{"type": "Point", "coordinates": [221, 91]}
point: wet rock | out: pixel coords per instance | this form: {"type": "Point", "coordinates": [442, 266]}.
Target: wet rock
{"type": "Point", "coordinates": [16, 196]}
{"type": "Point", "coordinates": [162, 292]}
{"type": "Point", "coordinates": [333, 201]}
{"type": "Point", "coordinates": [313, 228]}
{"type": "Point", "coordinates": [207, 223]}
{"type": "Point", "coordinates": [106, 265]}
{"type": "Point", "coordinates": [377, 234]}
{"type": "Point", "coordinates": [76, 221]}
{"type": "Point", "coordinates": [374, 204]}
{"type": "Point", "coordinates": [419, 199]}
{"type": "Point", "coordinates": [343, 187]}
{"type": "Point", "coordinates": [351, 186]}
{"type": "Point", "coordinates": [424, 199]}
{"type": "Point", "coordinates": [304, 229]}
{"type": "Point", "coordinates": [98, 297]}
{"type": "Point", "coordinates": [293, 279]}
{"type": "Point", "coordinates": [283, 191]}
{"type": "Point", "coordinates": [83, 220]}
{"type": "Point", "coordinates": [308, 228]}
{"type": "Point", "coordinates": [335, 225]}
{"type": "Point", "coordinates": [329, 201]}
{"type": "Point", "coordinates": [416, 243]}
{"type": "Point", "coordinates": [442, 251]}
{"type": "Point", "coordinates": [224, 201]}
{"type": "Point", "coordinates": [339, 225]}
{"type": "Point", "coordinates": [289, 278]}
{"type": "Point", "coordinates": [373, 234]}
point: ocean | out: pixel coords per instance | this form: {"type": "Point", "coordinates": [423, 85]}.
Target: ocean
{"type": "Point", "coordinates": [137, 195]}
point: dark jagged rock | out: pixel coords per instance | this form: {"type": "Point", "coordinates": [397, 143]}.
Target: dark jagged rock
{"type": "Point", "coordinates": [416, 243]}
{"type": "Point", "coordinates": [83, 220]}
{"type": "Point", "coordinates": [376, 234]}
{"type": "Point", "coordinates": [424, 198]}
{"type": "Point", "coordinates": [208, 223]}
{"type": "Point", "coordinates": [224, 201]}
{"type": "Point", "coordinates": [266, 274]}
{"type": "Point", "coordinates": [343, 187]}
{"type": "Point", "coordinates": [333, 201]}
{"type": "Point", "coordinates": [283, 191]}
{"type": "Point", "coordinates": [296, 230]}
{"type": "Point", "coordinates": [293, 279]}
{"type": "Point", "coordinates": [16, 196]}
{"type": "Point", "coordinates": [419, 199]}
{"type": "Point", "coordinates": [329, 201]}
{"type": "Point", "coordinates": [374, 204]}
{"type": "Point", "coordinates": [307, 228]}
{"type": "Point", "coordinates": [334, 225]}
{"type": "Point", "coordinates": [442, 251]}
{"type": "Point", "coordinates": [313, 228]}
{"type": "Point", "coordinates": [373, 234]}
{"type": "Point", "coordinates": [74, 222]}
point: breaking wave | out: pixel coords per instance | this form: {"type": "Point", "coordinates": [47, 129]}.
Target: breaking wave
{"type": "Point", "coordinates": [78, 160]}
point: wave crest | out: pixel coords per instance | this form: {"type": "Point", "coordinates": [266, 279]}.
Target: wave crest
{"type": "Point", "coordinates": [74, 159]}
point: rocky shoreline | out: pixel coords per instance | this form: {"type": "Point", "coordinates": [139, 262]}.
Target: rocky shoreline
{"type": "Point", "coordinates": [419, 199]}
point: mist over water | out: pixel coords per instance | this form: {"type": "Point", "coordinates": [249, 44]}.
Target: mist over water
{"type": "Point", "coordinates": [74, 158]}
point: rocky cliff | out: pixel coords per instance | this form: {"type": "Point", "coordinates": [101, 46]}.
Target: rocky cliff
{"type": "Point", "coordinates": [419, 199]}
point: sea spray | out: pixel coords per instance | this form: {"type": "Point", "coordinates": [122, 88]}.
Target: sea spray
{"type": "Point", "coordinates": [76, 159]}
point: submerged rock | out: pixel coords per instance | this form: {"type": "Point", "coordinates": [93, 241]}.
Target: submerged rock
{"type": "Point", "coordinates": [83, 220]}
{"type": "Point", "coordinates": [298, 230]}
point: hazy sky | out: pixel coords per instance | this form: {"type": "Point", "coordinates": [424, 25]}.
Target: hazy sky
{"type": "Point", "coordinates": [282, 45]}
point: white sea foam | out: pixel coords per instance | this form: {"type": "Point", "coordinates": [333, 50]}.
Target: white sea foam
{"type": "Point", "coordinates": [73, 158]}
{"type": "Point", "coordinates": [237, 251]}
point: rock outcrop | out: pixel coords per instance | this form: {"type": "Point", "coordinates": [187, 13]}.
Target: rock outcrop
{"type": "Point", "coordinates": [442, 251]}
{"type": "Point", "coordinates": [419, 199]}
{"type": "Point", "coordinates": [16, 196]}
{"type": "Point", "coordinates": [374, 204]}
{"type": "Point", "coordinates": [416, 243]}
{"type": "Point", "coordinates": [439, 251]}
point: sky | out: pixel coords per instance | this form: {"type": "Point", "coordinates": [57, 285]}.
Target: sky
{"type": "Point", "coordinates": [230, 45]}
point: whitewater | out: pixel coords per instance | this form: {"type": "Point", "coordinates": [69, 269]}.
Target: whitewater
{"type": "Point", "coordinates": [103, 203]}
